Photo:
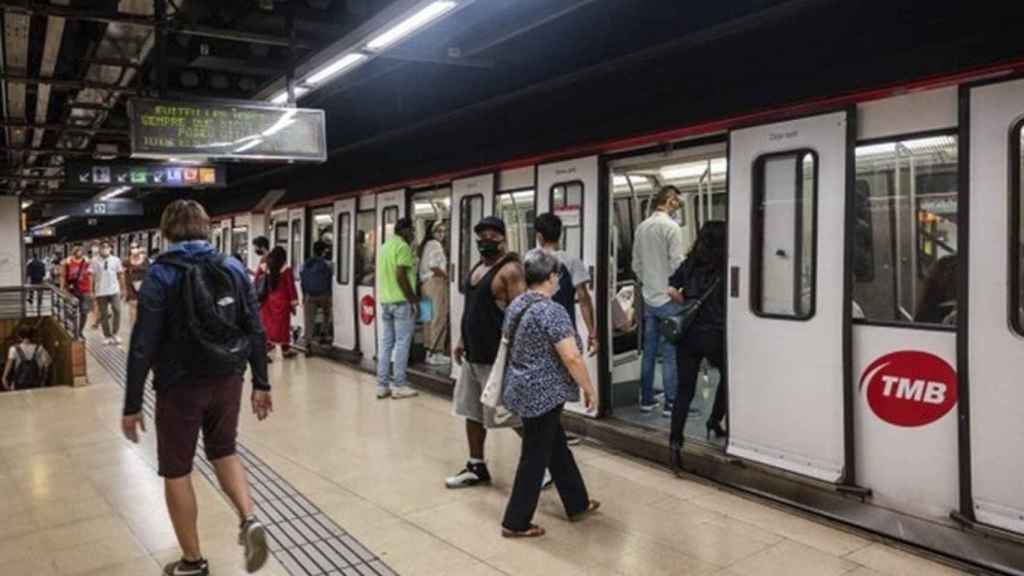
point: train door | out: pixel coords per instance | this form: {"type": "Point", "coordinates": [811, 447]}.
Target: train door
{"type": "Point", "coordinates": [240, 241]}
{"type": "Point", "coordinates": [472, 199]}
{"type": "Point", "coordinates": [995, 311]}
{"type": "Point", "coordinates": [217, 236]}
{"type": "Point", "coordinates": [698, 172]}
{"type": "Point", "coordinates": [296, 259]}
{"type": "Point", "coordinates": [344, 301]}
{"type": "Point", "coordinates": [430, 210]}
{"type": "Point", "coordinates": [225, 234]}
{"type": "Point", "coordinates": [785, 306]}
{"type": "Point", "coordinates": [390, 207]}
{"type": "Point", "coordinates": [322, 232]}
{"type": "Point", "coordinates": [366, 240]}
{"type": "Point", "coordinates": [569, 189]}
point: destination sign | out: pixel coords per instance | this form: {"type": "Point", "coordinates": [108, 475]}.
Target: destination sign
{"type": "Point", "coordinates": [102, 174]}
{"type": "Point", "coordinates": [95, 208]}
{"type": "Point", "coordinates": [166, 129]}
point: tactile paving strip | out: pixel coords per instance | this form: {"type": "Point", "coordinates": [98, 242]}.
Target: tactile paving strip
{"type": "Point", "coordinates": [302, 538]}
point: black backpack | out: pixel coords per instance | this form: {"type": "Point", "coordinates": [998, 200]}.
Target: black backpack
{"type": "Point", "coordinates": [211, 330]}
{"type": "Point", "coordinates": [27, 372]}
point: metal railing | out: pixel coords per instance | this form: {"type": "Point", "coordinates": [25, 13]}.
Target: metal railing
{"type": "Point", "coordinates": [42, 300]}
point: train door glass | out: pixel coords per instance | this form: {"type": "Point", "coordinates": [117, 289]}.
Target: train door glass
{"type": "Point", "coordinates": [518, 209]}
{"type": "Point", "coordinates": [297, 256]}
{"type": "Point", "coordinates": [471, 210]}
{"type": "Point", "coordinates": [1017, 229]}
{"type": "Point", "coordinates": [700, 177]}
{"type": "Point", "coordinates": [366, 247]}
{"type": "Point", "coordinates": [567, 203]}
{"type": "Point", "coordinates": [322, 231]}
{"type": "Point", "coordinates": [905, 239]}
{"type": "Point", "coordinates": [218, 237]}
{"type": "Point", "coordinates": [280, 234]}
{"type": "Point", "coordinates": [240, 243]}
{"type": "Point", "coordinates": [431, 215]}
{"type": "Point", "coordinates": [343, 248]}
{"type": "Point", "coordinates": [323, 228]}
{"type": "Point", "coordinates": [388, 225]}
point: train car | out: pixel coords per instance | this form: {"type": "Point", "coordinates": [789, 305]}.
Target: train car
{"type": "Point", "coordinates": [875, 303]}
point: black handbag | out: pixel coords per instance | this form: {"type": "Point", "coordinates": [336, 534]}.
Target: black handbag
{"type": "Point", "coordinates": [674, 327]}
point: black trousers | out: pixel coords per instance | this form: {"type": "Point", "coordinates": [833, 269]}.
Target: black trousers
{"type": "Point", "coordinates": [697, 345]}
{"type": "Point", "coordinates": [544, 447]}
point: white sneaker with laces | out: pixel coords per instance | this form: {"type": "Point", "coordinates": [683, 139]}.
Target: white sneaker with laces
{"type": "Point", "coordinates": [403, 392]}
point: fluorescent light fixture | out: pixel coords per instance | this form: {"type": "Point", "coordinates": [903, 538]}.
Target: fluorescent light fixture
{"type": "Point", "coordinates": [428, 14]}
{"type": "Point", "coordinates": [346, 62]}
{"type": "Point", "coordinates": [918, 146]}
{"type": "Point", "coordinates": [637, 181]}
{"type": "Point", "coordinates": [282, 96]}
{"type": "Point", "coordinates": [249, 146]}
{"type": "Point", "coordinates": [26, 204]}
{"type": "Point", "coordinates": [693, 169]}
{"type": "Point", "coordinates": [49, 223]}
{"type": "Point", "coordinates": [115, 192]}
{"type": "Point", "coordinates": [286, 120]}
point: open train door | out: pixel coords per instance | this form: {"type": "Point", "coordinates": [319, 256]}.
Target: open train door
{"type": "Point", "coordinates": [296, 258]}
{"type": "Point", "coordinates": [992, 348]}
{"type": "Point", "coordinates": [344, 298]}
{"type": "Point", "coordinates": [785, 305]}
{"type": "Point", "coordinates": [472, 199]}
{"type": "Point", "coordinates": [570, 190]}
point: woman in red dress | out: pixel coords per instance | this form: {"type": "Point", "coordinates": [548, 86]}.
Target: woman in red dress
{"type": "Point", "coordinates": [278, 301]}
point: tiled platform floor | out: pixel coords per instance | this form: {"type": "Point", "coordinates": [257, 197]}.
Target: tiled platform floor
{"type": "Point", "coordinates": [75, 498]}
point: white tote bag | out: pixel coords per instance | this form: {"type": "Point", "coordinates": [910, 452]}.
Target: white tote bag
{"type": "Point", "coordinates": [494, 390]}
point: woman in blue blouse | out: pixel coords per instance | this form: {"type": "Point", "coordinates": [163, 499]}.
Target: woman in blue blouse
{"type": "Point", "coordinates": [545, 370]}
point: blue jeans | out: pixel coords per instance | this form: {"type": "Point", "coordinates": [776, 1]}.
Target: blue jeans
{"type": "Point", "coordinates": [654, 342]}
{"type": "Point", "coordinates": [396, 324]}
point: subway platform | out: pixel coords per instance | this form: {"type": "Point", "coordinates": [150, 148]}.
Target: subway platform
{"type": "Point", "coordinates": [355, 486]}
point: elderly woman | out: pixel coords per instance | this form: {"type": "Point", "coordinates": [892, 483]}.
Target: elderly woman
{"type": "Point", "coordinates": [545, 370]}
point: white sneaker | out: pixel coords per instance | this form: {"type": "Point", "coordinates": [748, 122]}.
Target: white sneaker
{"type": "Point", "coordinates": [437, 359]}
{"type": "Point", "coordinates": [403, 392]}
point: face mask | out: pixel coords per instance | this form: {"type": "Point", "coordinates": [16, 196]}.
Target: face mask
{"type": "Point", "coordinates": [488, 248]}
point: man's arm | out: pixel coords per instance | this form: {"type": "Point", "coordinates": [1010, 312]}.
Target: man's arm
{"type": "Point", "coordinates": [145, 341]}
{"type": "Point", "coordinates": [513, 282]}
{"type": "Point", "coordinates": [587, 308]}
{"type": "Point", "coordinates": [676, 252]}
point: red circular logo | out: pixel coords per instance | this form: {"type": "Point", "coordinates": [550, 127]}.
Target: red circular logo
{"type": "Point", "coordinates": [910, 388]}
{"type": "Point", "coordinates": [367, 309]}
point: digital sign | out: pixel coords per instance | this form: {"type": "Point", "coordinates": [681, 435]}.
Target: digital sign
{"type": "Point", "coordinates": [163, 175]}
{"type": "Point", "coordinates": [166, 129]}
{"type": "Point", "coordinates": [95, 208]}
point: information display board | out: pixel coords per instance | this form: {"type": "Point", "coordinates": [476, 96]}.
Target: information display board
{"type": "Point", "coordinates": [167, 129]}
{"type": "Point", "coordinates": [95, 208]}
{"type": "Point", "coordinates": [163, 175]}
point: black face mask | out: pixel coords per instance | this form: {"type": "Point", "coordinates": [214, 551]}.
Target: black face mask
{"type": "Point", "coordinates": [488, 248]}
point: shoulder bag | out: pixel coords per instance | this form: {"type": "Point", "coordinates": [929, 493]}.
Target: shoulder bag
{"type": "Point", "coordinates": [674, 327]}
{"type": "Point", "coordinates": [494, 390]}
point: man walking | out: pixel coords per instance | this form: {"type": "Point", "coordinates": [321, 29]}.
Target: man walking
{"type": "Point", "coordinates": [573, 275]}
{"type": "Point", "coordinates": [399, 308]}
{"type": "Point", "coordinates": [493, 283]}
{"type": "Point", "coordinates": [108, 285]}
{"type": "Point", "coordinates": [35, 274]}
{"type": "Point", "coordinates": [657, 252]}
{"type": "Point", "coordinates": [197, 374]}
{"type": "Point", "coordinates": [76, 279]}
{"type": "Point", "coordinates": [316, 278]}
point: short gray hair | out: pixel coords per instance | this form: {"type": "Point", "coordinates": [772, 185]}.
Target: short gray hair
{"type": "Point", "coordinates": [539, 265]}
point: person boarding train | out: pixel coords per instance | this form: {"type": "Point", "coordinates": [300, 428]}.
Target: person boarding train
{"type": "Point", "coordinates": [573, 276]}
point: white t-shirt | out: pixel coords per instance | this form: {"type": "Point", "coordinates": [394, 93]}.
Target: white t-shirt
{"type": "Point", "coordinates": [433, 257]}
{"type": "Point", "coordinates": [105, 272]}
{"type": "Point", "coordinates": [577, 270]}
{"type": "Point", "coordinates": [28, 350]}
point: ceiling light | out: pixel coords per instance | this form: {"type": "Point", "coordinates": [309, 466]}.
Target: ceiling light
{"type": "Point", "coordinates": [693, 169]}
{"type": "Point", "coordinates": [114, 193]}
{"type": "Point", "coordinates": [282, 123]}
{"type": "Point", "coordinates": [282, 97]}
{"type": "Point", "coordinates": [26, 204]}
{"type": "Point", "coordinates": [431, 12]}
{"type": "Point", "coordinates": [49, 223]}
{"type": "Point", "coordinates": [249, 146]}
{"type": "Point", "coordinates": [346, 62]}
{"type": "Point", "coordinates": [635, 180]}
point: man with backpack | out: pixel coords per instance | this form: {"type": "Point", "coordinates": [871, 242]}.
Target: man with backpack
{"type": "Point", "coordinates": [316, 279]}
{"type": "Point", "coordinates": [197, 329]}
{"type": "Point", "coordinates": [27, 363]}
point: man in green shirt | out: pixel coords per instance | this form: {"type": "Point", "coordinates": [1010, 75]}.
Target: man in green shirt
{"type": "Point", "coordinates": [398, 310]}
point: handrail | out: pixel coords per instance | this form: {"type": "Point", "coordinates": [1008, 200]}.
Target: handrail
{"type": "Point", "coordinates": [63, 305]}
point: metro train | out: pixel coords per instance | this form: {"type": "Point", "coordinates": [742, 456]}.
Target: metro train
{"type": "Point", "coordinates": [875, 303]}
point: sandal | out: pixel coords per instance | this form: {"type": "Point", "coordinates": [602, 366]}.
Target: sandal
{"type": "Point", "coordinates": [591, 508]}
{"type": "Point", "coordinates": [532, 532]}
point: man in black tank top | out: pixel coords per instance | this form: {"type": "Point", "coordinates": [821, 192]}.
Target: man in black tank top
{"type": "Point", "coordinates": [493, 283]}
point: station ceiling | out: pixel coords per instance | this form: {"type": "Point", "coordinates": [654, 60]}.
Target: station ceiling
{"type": "Point", "coordinates": [495, 81]}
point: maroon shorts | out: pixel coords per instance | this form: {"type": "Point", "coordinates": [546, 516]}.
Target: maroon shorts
{"type": "Point", "coordinates": [185, 408]}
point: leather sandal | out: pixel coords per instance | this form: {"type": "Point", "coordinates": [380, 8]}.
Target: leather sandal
{"type": "Point", "coordinates": [532, 532]}
{"type": "Point", "coordinates": [591, 508]}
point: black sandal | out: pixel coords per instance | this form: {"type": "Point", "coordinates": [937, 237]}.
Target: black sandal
{"type": "Point", "coordinates": [591, 508]}
{"type": "Point", "coordinates": [533, 531]}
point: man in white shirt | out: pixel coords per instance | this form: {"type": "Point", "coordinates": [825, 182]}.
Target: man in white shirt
{"type": "Point", "coordinates": [657, 252]}
{"type": "Point", "coordinates": [107, 286]}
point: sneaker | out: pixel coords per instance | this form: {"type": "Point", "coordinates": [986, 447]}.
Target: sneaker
{"type": "Point", "coordinates": [383, 393]}
{"type": "Point", "coordinates": [548, 480]}
{"type": "Point", "coordinates": [437, 360]}
{"type": "Point", "coordinates": [188, 568]}
{"type": "Point", "coordinates": [667, 410]}
{"type": "Point", "coordinates": [403, 392]}
{"type": "Point", "coordinates": [253, 536]}
{"type": "Point", "coordinates": [648, 406]}
{"type": "Point", "coordinates": [474, 474]}
{"type": "Point", "coordinates": [117, 340]}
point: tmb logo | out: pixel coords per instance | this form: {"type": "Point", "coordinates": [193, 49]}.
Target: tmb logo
{"type": "Point", "coordinates": [910, 388]}
{"type": "Point", "coordinates": [367, 309]}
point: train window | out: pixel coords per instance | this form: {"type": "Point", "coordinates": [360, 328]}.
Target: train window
{"type": "Point", "coordinates": [784, 227]}
{"type": "Point", "coordinates": [388, 226]}
{"type": "Point", "coordinates": [366, 247]}
{"type": "Point", "coordinates": [471, 210]}
{"type": "Point", "coordinates": [298, 255]}
{"type": "Point", "coordinates": [1016, 223]}
{"type": "Point", "coordinates": [240, 243]}
{"type": "Point", "coordinates": [517, 209]}
{"type": "Point", "coordinates": [323, 227]}
{"type": "Point", "coordinates": [281, 234]}
{"type": "Point", "coordinates": [567, 204]}
{"type": "Point", "coordinates": [905, 231]}
{"type": "Point", "coordinates": [343, 247]}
